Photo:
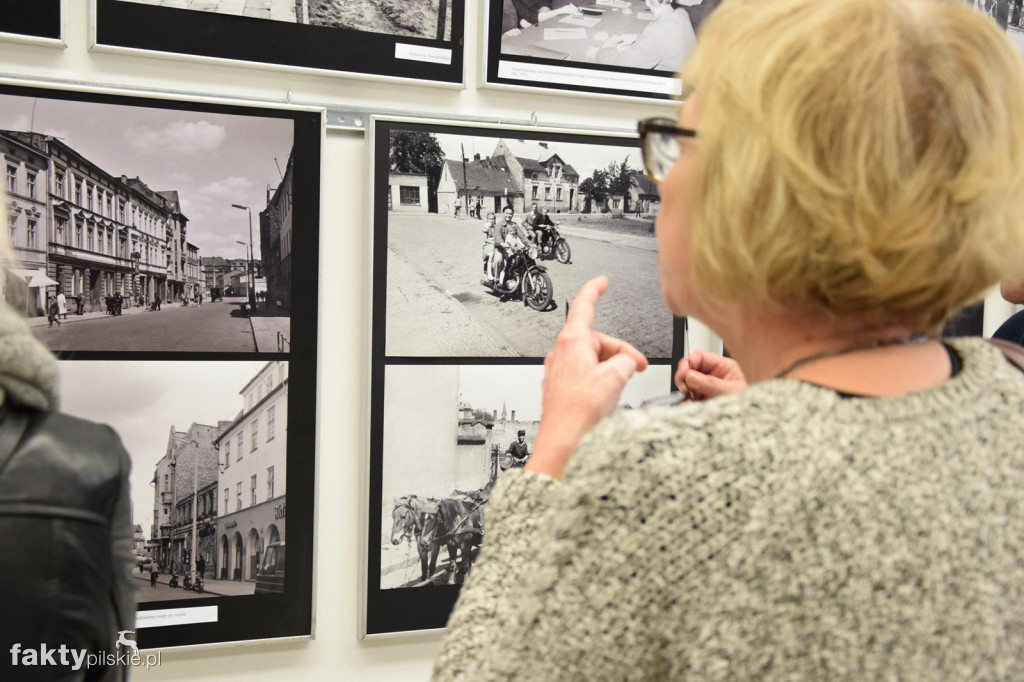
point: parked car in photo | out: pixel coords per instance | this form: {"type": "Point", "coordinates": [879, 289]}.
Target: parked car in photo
{"type": "Point", "coordinates": [270, 577]}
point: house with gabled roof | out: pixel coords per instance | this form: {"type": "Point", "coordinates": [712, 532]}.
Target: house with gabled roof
{"type": "Point", "coordinates": [519, 173]}
{"type": "Point", "coordinates": [643, 195]}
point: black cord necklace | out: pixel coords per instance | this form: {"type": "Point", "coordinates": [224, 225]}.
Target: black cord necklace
{"type": "Point", "coordinates": [866, 345]}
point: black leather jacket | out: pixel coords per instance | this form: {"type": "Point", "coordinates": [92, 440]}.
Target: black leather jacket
{"type": "Point", "coordinates": [66, 534]}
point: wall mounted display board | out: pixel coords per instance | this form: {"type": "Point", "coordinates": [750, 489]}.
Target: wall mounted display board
{"type": "Point", "coordinates": [31, 21]}
{"type": "Point", "coordinates": [457, 363]}
{"type": "Point", "coordinates": [611, 47]}
{"type": "Point", "coordinates": [152, 246]}
{"type": "Point", "coordinates": [419, 40]}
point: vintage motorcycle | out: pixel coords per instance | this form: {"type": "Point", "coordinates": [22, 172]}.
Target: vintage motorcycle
{"type": "Point", "coordinates": [523, 276]}
{"type": "Point", "coordinates": [554, 244]}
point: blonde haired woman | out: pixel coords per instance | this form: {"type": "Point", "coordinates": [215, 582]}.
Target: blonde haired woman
{"type": "Point", "coordinates": [844, 175]}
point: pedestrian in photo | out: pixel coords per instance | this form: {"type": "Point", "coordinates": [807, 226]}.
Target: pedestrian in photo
{"type": "Point", "coordinates": [62, 305]}
{"type": "Point", "coordinates": [201, 567]}
{"type": "Point", "coordinates": [79, 302]}
{"type": "Point", "coordinates": [53, 312]}
{"type": "Point", "coordinates": [841, 177]}
{"type": "Point", "coordinates": [118, 302]}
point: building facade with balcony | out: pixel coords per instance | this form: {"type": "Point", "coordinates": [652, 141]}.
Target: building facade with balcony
{"type": "Point", "coordinates": [253, 458]}
{"type": "Point", "coordinates": [103, 234]}
{"type": "Point", "coordinates": [188, 465]}
{"type": "Point", "coordinates": [26, 179]}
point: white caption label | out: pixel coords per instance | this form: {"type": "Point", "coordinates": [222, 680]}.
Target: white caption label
{"type": "Point", "coordinates": [590, 78]}
{"type": "Point", "coordinates": [162, 617]}
{"type": "Point", "coordinates": [420, 53]}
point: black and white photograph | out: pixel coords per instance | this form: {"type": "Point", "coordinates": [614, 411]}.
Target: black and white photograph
{"type": "Point", "coordinates": [32, 21]}
{"type": "Point", "coordinates": [449, 432]}
{"type": "Point", "coordinates": [216, 432]}
{"type": "Point", "coordinates": [1009, 14]}
{"type": "Point", "coordinates": [408, 39]}
{"type": "Point", "coordinates": [210, 444]}
{"type": "Point", "coordinates": [625, 47]}
{"type": "Point", "coordinates": [487, 235]}
{"type": "Point", "coordinates": [445, 434]}
{"type": "Point", "coordinates": [430, 19]}
{"type": "Point", "coordinates": [148, 229]}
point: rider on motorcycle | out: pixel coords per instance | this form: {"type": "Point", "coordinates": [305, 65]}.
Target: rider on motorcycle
{"type": "Point", "coordinates": [539, 225]}
{"type": "Point", "coordinates": [508, 234]}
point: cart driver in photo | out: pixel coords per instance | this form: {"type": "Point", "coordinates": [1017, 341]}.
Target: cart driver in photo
{"type": "Point", "coordinates": [519, 450]}
{"type": "Point", "coordinates": [508, 235]}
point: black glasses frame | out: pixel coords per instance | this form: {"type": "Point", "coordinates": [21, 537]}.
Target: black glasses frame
{"type": "Point", "coordinates": [659, 125]}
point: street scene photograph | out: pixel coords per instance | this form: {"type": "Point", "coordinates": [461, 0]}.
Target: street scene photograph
{"type": "Point", "coordinates": [411, 18]}
{"type": "Point", "coordinates": [215, 433]}
{"type": "Point", "coordinates": [656, 35]}
{"type": "Point", "coordinates": [450, 431]}
{"type": "Point", "coordinates": [491, 236]}
{"type": "Point", "coordinates": [146, 229]}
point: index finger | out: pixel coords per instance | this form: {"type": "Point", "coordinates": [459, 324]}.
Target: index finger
{"type": "Point", "coordinates": [581, 312]}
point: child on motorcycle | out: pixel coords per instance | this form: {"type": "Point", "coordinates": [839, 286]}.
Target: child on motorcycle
{"type": "Point", "coordinates": [507, 235]}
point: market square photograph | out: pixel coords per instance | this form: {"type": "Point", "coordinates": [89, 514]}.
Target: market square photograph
{"type": "Point", "coordinates": [490, 238]}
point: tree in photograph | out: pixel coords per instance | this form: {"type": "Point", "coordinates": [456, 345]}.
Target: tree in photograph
{"type": "Point", "coordinates": [417, 152]}
{"type": "Point", "coordinates": [595, 189]}
{"type": "Point", "coordinates": [620, 179]}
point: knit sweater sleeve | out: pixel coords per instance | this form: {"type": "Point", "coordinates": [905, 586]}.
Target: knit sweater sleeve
{"type": "Point", "coordinates": [563, 589]}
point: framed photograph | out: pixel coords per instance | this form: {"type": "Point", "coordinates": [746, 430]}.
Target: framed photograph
{"type": "Point", "coordinates": [629, 48]}
{"type": "Point", "coordinates": [31, 21]}
{"type": "Point", "coordinates": [414, 40]}
{"type": "Point", "coordinates": [157, 227]}
{"type": "Point", "coordinates": [134, 262]}
{"type": "Point", "coordinates": [482, 236]}
{"type": "Point", "coordinates": [438, 188]}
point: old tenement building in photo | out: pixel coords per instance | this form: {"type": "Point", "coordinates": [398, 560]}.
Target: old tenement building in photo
{"type": "Point", "coordinates": [93, 234]}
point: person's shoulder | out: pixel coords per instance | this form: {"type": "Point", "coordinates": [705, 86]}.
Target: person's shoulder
{"type": "Point", "coordinates": [673, 436]}
{"type": "Point", "coordinates": [1012, 329]}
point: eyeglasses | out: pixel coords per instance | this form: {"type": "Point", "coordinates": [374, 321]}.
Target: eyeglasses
{"type": "Point", "coordinates": [659, 144]}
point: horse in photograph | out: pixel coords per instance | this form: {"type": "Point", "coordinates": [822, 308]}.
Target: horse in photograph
{"type": "Point", "coordinates": [415, 519]}
{"type": "Point", "coordinates": [460, 525]}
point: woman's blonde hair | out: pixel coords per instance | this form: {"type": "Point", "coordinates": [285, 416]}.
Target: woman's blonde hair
{"type": "Point", "coordinates": [863, 157]}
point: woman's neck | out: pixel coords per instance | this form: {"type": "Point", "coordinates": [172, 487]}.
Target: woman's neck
{"type": "Point", "coordinates": [764, 346]}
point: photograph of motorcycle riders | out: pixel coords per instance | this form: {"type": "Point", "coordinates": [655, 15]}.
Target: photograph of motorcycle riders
{"type": "Point", "coordinates": [490, 234]}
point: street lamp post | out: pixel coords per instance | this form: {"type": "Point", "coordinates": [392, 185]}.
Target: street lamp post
{"type": "Point", "coordinates": [195, 504]}
{"type": "Point", "coordinates": [252, 273]}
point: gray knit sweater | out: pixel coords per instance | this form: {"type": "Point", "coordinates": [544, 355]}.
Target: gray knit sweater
{"type": "Point", "coordinates": [783, 533]}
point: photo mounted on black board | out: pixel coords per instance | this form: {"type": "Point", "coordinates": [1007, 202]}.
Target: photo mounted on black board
{"type": "Point", "coordinates": [623, 47]}
{"type": "Point", "coordinates": [491, 232]}
{"type": "Point", "coordinates": [406, 39]}
{"type": "Point", "coordinates": [148, 229]}
{"type": "Point", "coordinates": [176, 323]}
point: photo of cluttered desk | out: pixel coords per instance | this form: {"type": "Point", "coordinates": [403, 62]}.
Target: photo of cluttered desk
{"type": "Point", "coordinates": [646, 35]}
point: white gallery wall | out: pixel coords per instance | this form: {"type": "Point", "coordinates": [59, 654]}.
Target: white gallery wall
{"type": "Point", "coordinates": [336, 653]}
